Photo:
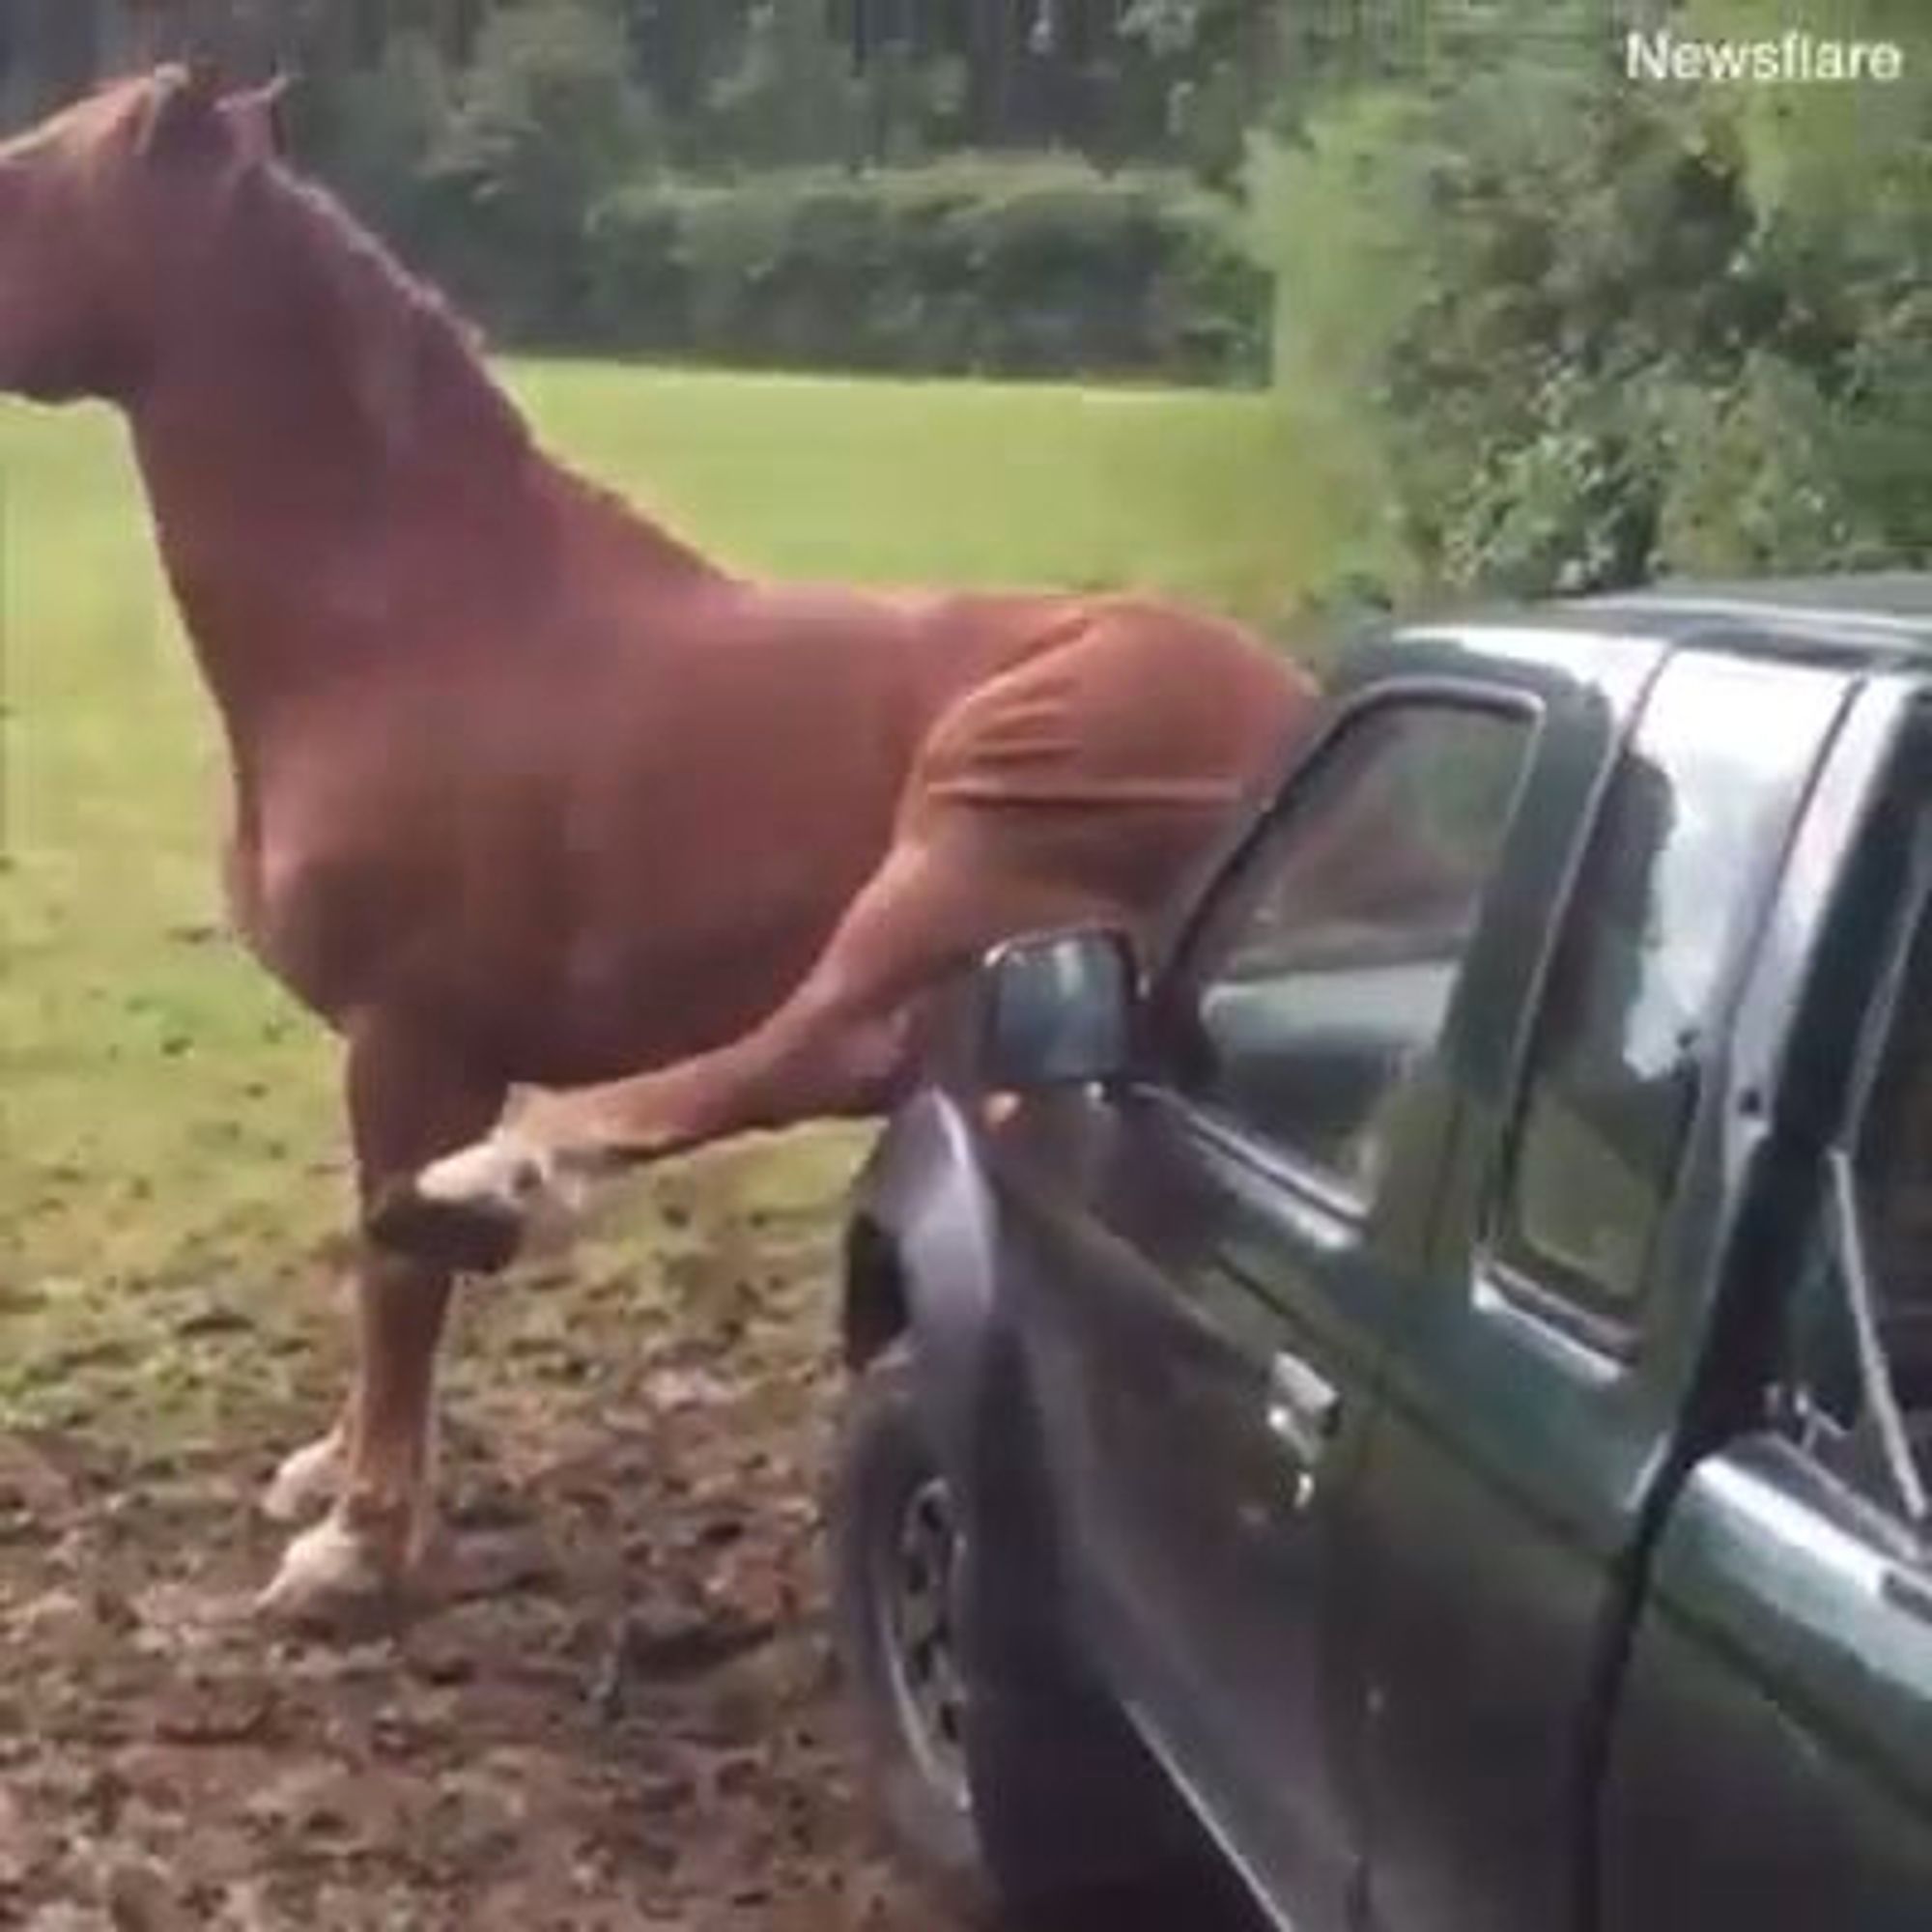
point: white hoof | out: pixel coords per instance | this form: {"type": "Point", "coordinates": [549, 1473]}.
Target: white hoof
{"type": "Point", "coordinates": [333, 1581]}
{"type": "Point", "coordinates": [509, 1176]}
{"type": "Point", "coordinates": [506, 1175]}
{"type": "Point", "coordinates": [306, 1482]}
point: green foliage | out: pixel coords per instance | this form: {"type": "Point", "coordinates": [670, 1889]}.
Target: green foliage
{"type": "Point", "coordinates": [1575, 332]}
{"type": "Point", "coordinates": [542, 119]}
{"type": "Point", "coordinates": [1758, 479]}
{"type": "Point", "coordinates": [382, 128]}
{"type": "Point", "coordinates": [585, 172]}
{"type": "Point", "coordinates": [754, 82]}
{"type": "Point", "coordinates": [1210, 66]}
{"type": "Point", "coordinates": [1025, 268]}
{"type": "Point", "coordinates": [792, 95]}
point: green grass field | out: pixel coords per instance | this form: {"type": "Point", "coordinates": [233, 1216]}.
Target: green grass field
{"type": "Point", "coordinates": [169, 1164]}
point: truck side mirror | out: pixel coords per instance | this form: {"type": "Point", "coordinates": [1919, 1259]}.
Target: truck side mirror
{"type": "Point", "coordinates": [1057, 1009]}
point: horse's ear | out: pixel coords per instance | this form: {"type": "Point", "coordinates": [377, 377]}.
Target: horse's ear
{"type": "Point", "coordinates": [259, 115]}
{"type": "Point", "coordinates": [182, 116]}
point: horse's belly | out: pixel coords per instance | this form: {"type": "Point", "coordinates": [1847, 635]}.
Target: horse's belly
{"type": "Point", "coordinates": [347, 931]}
{"type": "Point", "coordinates": [268, 924]}
{"type": "Point", "coordinates": [319, 962]}
{"type": "Point", "coordinates": [553, 981]}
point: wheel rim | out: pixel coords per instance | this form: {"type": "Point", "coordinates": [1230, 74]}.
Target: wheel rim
{"type": "Point", "coordinates": [917, 1587]}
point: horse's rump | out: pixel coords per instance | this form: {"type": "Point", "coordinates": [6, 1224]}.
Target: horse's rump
{"type": "Point", "coordinates": [1110, 758]}
{"type": "Point", "coordinates": [1137, 710]}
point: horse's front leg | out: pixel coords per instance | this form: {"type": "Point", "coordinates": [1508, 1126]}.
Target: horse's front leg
{"type": "Point", "coordinates": [409, 1100]}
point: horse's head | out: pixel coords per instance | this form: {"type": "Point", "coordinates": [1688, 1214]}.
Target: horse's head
{"type": "Point", "coordinates": [106, 214]}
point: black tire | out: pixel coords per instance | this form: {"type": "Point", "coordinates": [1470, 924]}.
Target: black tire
{"type": "Point", "coordinates": [1042, 1809]}
{"type": "Point", "coordinates": [884, 1466]}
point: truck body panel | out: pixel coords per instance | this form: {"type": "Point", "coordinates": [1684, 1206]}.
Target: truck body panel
{"type": "Point", "coordinates": [1445, 1523]}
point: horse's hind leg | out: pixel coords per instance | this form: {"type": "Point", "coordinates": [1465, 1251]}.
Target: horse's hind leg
{"type": "Point", "coordinates": [408, 1102]}
{"type": "Point", "coordinates": [839, 1045]}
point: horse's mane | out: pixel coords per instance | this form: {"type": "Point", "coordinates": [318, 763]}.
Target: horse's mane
{"type": "Point", "coordinates": [401, 358]}
{"type": "Point", "coordinates": [409, 364]}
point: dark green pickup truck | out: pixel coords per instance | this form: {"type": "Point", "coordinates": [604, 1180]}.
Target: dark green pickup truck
{"type": "Point", "coordinates": [1417, 1406]}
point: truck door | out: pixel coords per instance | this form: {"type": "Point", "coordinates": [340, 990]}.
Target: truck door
{"type": "Point", "coordinates": [1771, 1757]}
{"type": "Point", "coordinates": [1218, 1251]}
{"type": "Point", "coordinates": [1532, 1387]}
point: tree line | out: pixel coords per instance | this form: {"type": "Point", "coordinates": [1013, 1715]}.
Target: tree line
{"type": "Point", "coordinates": [1011, 186]}
{"type": "Point", "coordinates": [1567, 329]}
{"type": "Point", "coordinates": [1170, 80]}
{"type": "Point", "coordinates": [1546, 327]}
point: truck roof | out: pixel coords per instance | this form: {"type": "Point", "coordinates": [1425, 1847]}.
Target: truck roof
{"type": "Point", "coordinates": [1854, 624]}
{"type": "Point", "coordinates": [1875, 614]}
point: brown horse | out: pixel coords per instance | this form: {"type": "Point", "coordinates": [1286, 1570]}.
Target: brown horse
{"type": "Point", "coordinates": [525, 791]}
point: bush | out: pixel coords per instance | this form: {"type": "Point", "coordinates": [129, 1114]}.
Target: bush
{"type": "Point", "coordinates": [543, 117]}
{"type": "Point", "coordinates": [1018, 269]}
{"type": "Point", "coordinates": [538, 177]}
{"type": "Point", "coordinates": [380, 127]}
{"type": "Point", "coordinates": [792, 96]}
{"type": "Point", "coordinates": [1579, 334]}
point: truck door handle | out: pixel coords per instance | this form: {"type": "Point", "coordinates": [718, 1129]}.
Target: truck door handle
{"type": "Point", "coordinates": [1304, 1415]}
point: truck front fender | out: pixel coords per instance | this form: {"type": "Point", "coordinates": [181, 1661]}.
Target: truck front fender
{"type": "Point", "coordinates": [919, 1266]}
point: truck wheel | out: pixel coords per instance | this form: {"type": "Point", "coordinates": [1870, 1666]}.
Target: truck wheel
{"type": "Point", "coordinates": [1003, 1777]}
{"type": "Point", "coordinates": [895, 1572]}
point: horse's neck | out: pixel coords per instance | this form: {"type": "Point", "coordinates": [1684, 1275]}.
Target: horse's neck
{"type": "Point", "coordinates": [340, 488]}
{"type": "Point", "coordinates": [275, 519]}
{"type": "Point", "coordinates": [293, 517]}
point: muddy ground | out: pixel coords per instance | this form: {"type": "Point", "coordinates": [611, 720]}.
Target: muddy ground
{"type": "Point", "coordinates": [622, 1714]}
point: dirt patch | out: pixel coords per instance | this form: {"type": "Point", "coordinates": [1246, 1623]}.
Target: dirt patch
{"type": "Point", "coordinates": [620, 1713]}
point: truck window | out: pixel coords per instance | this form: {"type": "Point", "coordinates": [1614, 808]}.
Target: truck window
{"type": "Point", "coordinates": [1678, 860]}
{"type": "Point", "coordinates": [1865, 1399]}
{"type": "Point", "coordinates": [1893, 1165]}
{"type": "Point", "coordinates": [1323, 968]}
